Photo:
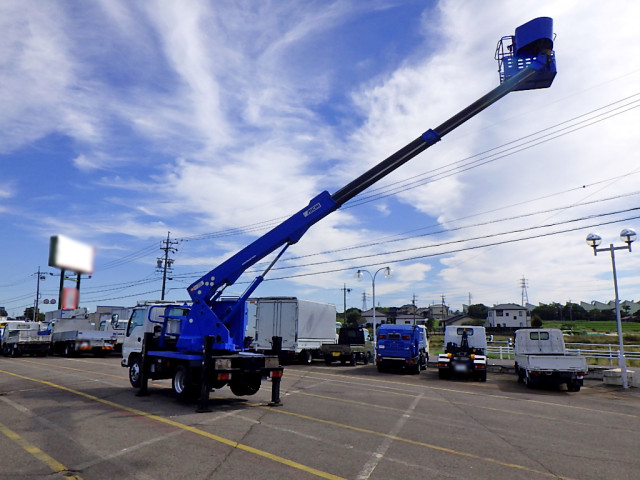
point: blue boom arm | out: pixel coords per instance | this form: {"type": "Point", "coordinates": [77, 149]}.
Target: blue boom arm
{"type": "Point", "coordinates": [527, 64]}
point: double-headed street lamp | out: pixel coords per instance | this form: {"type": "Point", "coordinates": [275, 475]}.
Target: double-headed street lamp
{"type": "Point", "coordinates": [387, 274]}
{"type": "Point", "coordinates": [627, 235]}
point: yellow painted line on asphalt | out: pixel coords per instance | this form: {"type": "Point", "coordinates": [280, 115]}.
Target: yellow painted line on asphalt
{"type": "Point", "coordinates": [420, 444]}
{"type": "Point", "coordinates": [384, 407]}
{"type": "Point", "coordinates": [33, 362]}
{"type": "Point", "coordinates": [467, 392]}
{"type": "Point", "coordinates": [51, 462]}
{"type": "Point", "coordinates": [119, 377]}
{"type": "Point", "coordinates": [188, 428]}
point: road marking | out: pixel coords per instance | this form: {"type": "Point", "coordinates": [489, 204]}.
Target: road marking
{"type": "Point", "coordinates": [420, 444]}
{"type": "Point", "coordinates": [466, 392]}
{"type": "Point", "coordinates": [51, 462]}
{"type": "Point", "coordinates": [194, 430]}
{"type": "Point", "coordinates": [379, 454]}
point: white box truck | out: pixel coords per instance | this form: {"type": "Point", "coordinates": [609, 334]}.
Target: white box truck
{"type": "Point", "coordinates": [303, 325]}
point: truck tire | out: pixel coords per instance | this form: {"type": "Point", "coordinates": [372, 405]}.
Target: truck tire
{"type": "Point", "coordinates": [135, 372]}
{"type": "Point", "coordinates": [353, 360]}
{"type": "Point", "coordinates": [573, 386]}
{"type": "Point", "coordinates": [249, 385]}
{"type": "Point", "coordinates": [328, 360]}
{"type": "Point", "coordinates": [69, 351]}
{"type": "Point", "coordinates": [443, 373]}
{"type": "Point", "coordinates": [181, 383]}
{"type": "Point", "coordinates": [305, 357]}
{"type": "Point", "coordinates": [482, 376]}
{"type": "Point", "coordinates": [527, 380]}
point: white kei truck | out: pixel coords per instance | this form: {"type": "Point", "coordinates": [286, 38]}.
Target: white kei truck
{"type": "Point", "coordinates": [542, 358]}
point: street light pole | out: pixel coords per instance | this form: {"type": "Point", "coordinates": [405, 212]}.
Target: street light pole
{"type": "Point", "coordinates": [593, 240]}
{"type": "Point", "coordinates": [387, 274]}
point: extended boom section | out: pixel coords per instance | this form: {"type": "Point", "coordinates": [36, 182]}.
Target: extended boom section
{"type": "Point", "coordinates": [201, 346]}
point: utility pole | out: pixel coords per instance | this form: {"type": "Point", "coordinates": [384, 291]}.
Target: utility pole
{"type": "Point", "coordinates": [41, 276]}
{"type": "Point", "coordinates": [345, 290]}
{"type": "Point", "coordinates": [164, 263]}
{"type": "Point", "coordinates": [364, 301]}
{"type": "Point", "coordinates": [415, 309]}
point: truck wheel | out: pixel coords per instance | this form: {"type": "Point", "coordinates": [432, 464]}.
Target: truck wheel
{"type": "Point", "coordinates": [249, 385]}
{"type": "Point", "coordinates": [527, 380]}
{"type": "Point", "coordinates": [353, 360]}
{"type": "Point", "coordinates": [573, 387]}
{"type": "Point", "coordinates": [328, 360]}
{"type": "Point", "coordinates": [135, 373]}
{"type": "Point", "coordinates": [68, 350]}
{"type": "Point", "coordinates": [520, 375]}
{"type": "Point", "coordinates": [482, 376]}
{"type": "Point", "coordinates": [181, 383]}
{"type": "Point", "coordinates": [306, 357]}
{"type": "Point", "coordinates": [367, 358]}
{"type": "Point", "coordinates": [443, 374]}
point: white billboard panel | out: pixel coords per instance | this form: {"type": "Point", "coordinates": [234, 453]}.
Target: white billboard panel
{"type": "Point", "coordinates": [68, 254]}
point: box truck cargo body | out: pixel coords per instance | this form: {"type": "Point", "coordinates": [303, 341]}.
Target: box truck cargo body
{"type": "Point", "coordinates": [303, 325]}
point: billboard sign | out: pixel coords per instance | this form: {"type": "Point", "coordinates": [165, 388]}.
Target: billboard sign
{"type": "Point", "coordinates": [68, 254]}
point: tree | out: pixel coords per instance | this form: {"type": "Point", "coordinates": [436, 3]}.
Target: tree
{"type": "Point", "coordinates": [3, 313]}
{"type": "Point", "coordinates": [573, 311]}
{"type": "Point", "coordinates": [431, 324]}
{"type": "Point", "coordinates": [478, 311]}
{"type": "Point", "coordinates": [353, 316]}
{"type": "Point", "coordinates": [536, 321]}
{"type": "Point", "coordinates": [28, 314]}
{"type": "Point", "coordinates": [548, 312]}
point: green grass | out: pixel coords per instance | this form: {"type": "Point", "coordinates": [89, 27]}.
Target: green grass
{"type": "Point", "coordinates": [586, 327]}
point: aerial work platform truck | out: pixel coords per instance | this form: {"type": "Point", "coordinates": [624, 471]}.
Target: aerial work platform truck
{"type": "Point", "coordinates": [200, 344]}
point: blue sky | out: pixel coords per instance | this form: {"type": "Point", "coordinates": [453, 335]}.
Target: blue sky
{"type": "Point", "coordinates": [123, 121]}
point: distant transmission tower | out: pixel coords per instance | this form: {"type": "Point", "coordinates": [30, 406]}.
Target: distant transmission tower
{"type": "Point", "coordinates": [364, 301]}
{"type": "Point", "coordinates": [524, 284]}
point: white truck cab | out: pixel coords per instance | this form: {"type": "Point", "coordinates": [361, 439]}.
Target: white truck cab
{"type": "Point", "coordinates": [147, 317]}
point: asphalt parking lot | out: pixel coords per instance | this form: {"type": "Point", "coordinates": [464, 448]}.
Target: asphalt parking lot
{"type": "Point", "coordinates": [79, 418]}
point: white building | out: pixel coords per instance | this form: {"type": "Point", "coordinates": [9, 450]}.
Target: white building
{"type": "Point", "coordinates": [508, 315]}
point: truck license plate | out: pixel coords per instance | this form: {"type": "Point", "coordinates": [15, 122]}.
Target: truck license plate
{"type": "Point", "coordinates": [335, 354]}
{"type": "Point", "coordinates": [460, 368]}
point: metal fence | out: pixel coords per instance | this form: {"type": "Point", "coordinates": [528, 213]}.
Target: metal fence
{"type": "Point", "coordinates": [608, 351]}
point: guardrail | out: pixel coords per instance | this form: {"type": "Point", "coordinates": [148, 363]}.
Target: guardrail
{"type": "Point", "coordinates": [608, 351]}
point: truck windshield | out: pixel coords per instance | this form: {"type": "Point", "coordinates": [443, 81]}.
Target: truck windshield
{"type": "Point", "coordinates": [468, 330]}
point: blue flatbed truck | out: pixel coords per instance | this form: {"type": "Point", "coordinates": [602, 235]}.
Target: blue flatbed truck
{"type": "Point", "coordinates": [204, 349]}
